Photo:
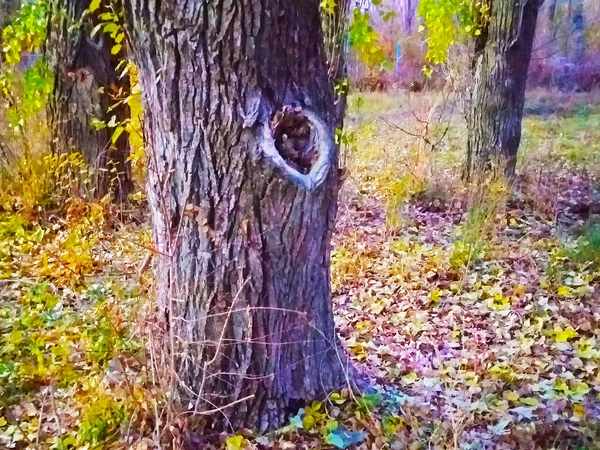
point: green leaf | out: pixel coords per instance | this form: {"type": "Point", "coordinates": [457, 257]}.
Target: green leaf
{"type": "Point", "coordinates": [97, 124]}
{"type": "Point", "coordinates": [6, 369]}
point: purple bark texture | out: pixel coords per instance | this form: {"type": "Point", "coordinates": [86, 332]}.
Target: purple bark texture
{"type": "Point", "coordinates": [243, 279]}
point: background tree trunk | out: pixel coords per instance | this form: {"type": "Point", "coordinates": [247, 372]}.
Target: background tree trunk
{"type": "Point", "coordinates": [578, 32]}
{"type": "Point", "coordinates": [243, 274]}
{"type": "Point", "coordinates": [552, 25]}
{"type": "Point", "coordinates": [7, 9]}
{"type": "Point", "coordinates": [84, 66]}
{"type": "Point", "coordinates": [502, 55]}
{"type": "Point", "coordinates": [410, 10]}
{"type": "Point", "coordinates": [335, 34]}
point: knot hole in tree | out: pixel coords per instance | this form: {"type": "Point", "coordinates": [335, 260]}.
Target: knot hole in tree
{"type": "Point", "coordinates": [300, 145]}
{"type": "Point", "coordinates": [294, 139]}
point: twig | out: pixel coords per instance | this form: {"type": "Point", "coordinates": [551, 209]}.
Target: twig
{"type": "Point", "coordinates": [229, 405]}
{"type": "Point", "coordinates": [51, 388]}
{"type": "Point", "coordinates": [144, 266]}
{"type": "Point", "coordinates": [41, 416]}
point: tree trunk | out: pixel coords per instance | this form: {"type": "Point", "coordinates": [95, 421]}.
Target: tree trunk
{"type": "Point", "coordinates": [552, 16]}
{"type": "Point", "coordinates": [85, 80]}
{"type": "Point", "coordinates": [502, 55]}
{"type": "Point", "coordinates": [553, 26]}
{"type": "Point", "coordinates": [409, 16]}
{"type": "Point", "coordinates": [578, 32]}
{"type": "Point", "coordinates": [243, 233]}
{"type": "Point", "coordinates": [335, 30]}
{"type": "Point", "coordinates": [7, 9]}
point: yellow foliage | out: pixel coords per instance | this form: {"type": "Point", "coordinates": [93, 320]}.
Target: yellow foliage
{"type": "Point", "coordinates": [564, 335]}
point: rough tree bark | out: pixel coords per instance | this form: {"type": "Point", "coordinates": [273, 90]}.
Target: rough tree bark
{"type": "Point", "coordinates": [242, 232]}
{"type": "Point", "coordinates": [85, 79]}
{"type": "Point", "coordinates": [502, 55]}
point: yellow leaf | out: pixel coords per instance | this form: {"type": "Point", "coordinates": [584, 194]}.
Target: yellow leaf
{"type": "Point", "coordinates": [236, 443]}
{"type": "Point", "coordinates": [563, 291]}
{"type": "Point", "coordinates": [519, 290]}
{"type": "Point", "coordinates": [561, 385]}
{"type": "Point", "coordinates": [511, 396]}
{"type": "Point", "coordinates": [410, 378]}
{"type": "Point", "coordinates": [529, 401]}
{"type": "Point", "coordinates": [312, 415]}
{"type": "Point", "coordinates": [586, 349]}
{"type": "Point", "coordinates": [94, 5]}
{"type": "Point", "coordinates": [581, 388]}
{"type": "Point", "coordinates": [337, 398]}
{"type": "Point", "coordinates": [499, 302]}
{"type": "Point", "coordinates": [564, 335]}
{"type": "Point", "coordinates": [578, 411]}
{"type": "Point", "coordinates": [377, 307]}
{"type": "Point", "coordinates": [2, 421]}
{"type": "Point", "coordinates": [434, 296]}
{"type": "Point", "coordinates": [316, 405]}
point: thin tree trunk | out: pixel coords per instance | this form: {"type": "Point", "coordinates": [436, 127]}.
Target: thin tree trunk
{"type": "Point", "coordinates": [409, 16]}
{"type": "Point", "coordinates": [7, 9]}
{"type": "Point", "coordinates": [552, 17]}
{"type": "Point", "coordinates": [243, 279]}
{"type": "Point", "coordinates": [85, 79]}
{"type": "Point", "coordinates": [335, 27]}
{"type": "Point", "coordinates": [502, 55]}
{"type": "Point", "coordinates": [578, 31]}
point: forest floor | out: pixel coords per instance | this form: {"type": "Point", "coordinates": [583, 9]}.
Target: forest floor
{"type": "Point", "coordinates": [471, 311]}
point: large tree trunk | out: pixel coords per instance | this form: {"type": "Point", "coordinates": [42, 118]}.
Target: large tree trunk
{"type": "Point", "coordinates": [243, 239]}
{"type": "Point", "coordinates": [85, 79]}
{"type": "Point", "coordinates": [502, 55]}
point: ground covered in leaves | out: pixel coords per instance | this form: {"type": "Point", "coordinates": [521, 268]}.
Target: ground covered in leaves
{"type": "Point", "coordinates": [471, 312]}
